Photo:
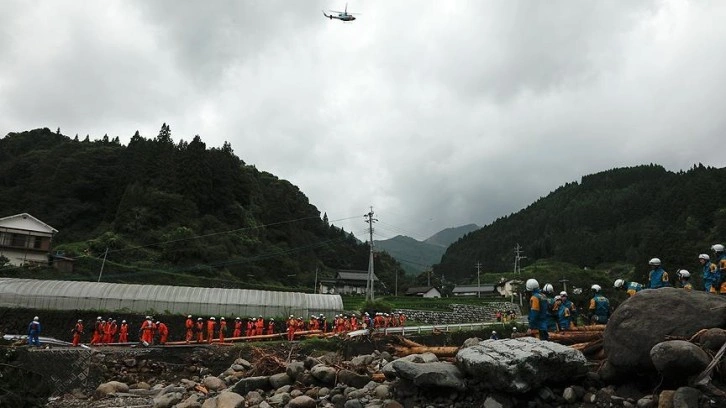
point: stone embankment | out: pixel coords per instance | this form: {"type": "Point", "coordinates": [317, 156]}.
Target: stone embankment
{"type": "Point", "coordinates": [462, 313]}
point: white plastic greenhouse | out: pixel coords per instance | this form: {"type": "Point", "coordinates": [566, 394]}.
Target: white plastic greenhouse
{"type": "Point", "coordinates": [70, 295]}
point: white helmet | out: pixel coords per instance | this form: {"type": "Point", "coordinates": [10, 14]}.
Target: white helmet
{"type": "Point", "coordinates": [531, 284]}
{"type": "Point", "coordinates": [705, 257]}
{"type": "Point", "coordinates": [563, 293]}
{"type": "Point", "coordinates": [494, 332]}
{"type": "Point", "coordinates": [717, 248]}
{"type": "Point", "coordinates": [619, 283]}
{"type": "Point", "coordinates": [595, 288]}
{"type": "Point", "coordinates": [212, 318]}
{"type": "Point", "coordinates": [683, 274]}
{"type": "Point", "coordinates": [35, 319]}
{"type": "Point", "coordinates": [654, 262]}
{"type": "Point", "coordinates": [189, 316]}
{"type": "Point", "coordinates": [548, 288]}
{"type": "Point", "coordinates": [558, 297]}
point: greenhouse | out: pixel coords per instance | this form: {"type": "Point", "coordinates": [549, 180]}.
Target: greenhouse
{"type": "Point", "coordinates": [144, 299]}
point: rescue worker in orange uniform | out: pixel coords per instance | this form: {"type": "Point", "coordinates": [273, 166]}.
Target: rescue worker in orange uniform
{"type": "Point", "coordinates": [211, 324]}
{"type": "Point", "coordinates": [354, 323]}
{"type": "Point", "coordinates": [123, 332]}
{"type": "Point", "coordinates": [97, 331]}
{"type": "Point", "coordinates": [102, 332]}
{"type": "Point", "coordinates": [111, 330]}
{"type": "Point", "coordinates": [237, 328]}
{"type": "Point", "coordinates": [77, 331]}
{"type": "Point", "coordinates": [271, 326]}
{"type": "Point", "coordinates": [259, 326]}
{"type": "Point", "coordinates": [189, 326]}
{"type": "Point", "coordinates": [199, 327]}
{"type": "Point", "coordinates": [312, 322]}
{"type": "Point", "coordinates": [163, 331]}
{"type": "Point", "coordinates": [147, 331]}
{"type": "Point", "coordinates": [222, 329]}
{"type": "Point", "coordinates": [291, 327]}
{"type": "Point", "coordinates": [251, 326]}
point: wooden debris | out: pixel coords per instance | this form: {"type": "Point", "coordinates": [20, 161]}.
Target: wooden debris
{"type": "Point", "coordinates": [439, 351]}
{"type": "Point", "coordinates": [266, 363]}
{"type": "Point", "coordinates": [201, 388]}
{"type": "Point", "coordinates": [378, 377]}
{"type": "Point", "coordinates": [567, 337]}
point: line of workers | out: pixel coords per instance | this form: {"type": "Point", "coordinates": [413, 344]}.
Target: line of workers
{"type": "Point", "coordinates": [201, 331]}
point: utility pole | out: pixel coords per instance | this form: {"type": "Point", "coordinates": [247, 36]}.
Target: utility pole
{"type": "Point", "coordinates": [564, 281]}
{"type": "Point", "coordinates": [478, 284]}
{"type": "Point", "coordinates": [102, 264]}
{"type": "Point", "coordinates": [315, 287]}
{"type": "Point", "coordinates": [371, 273]}
{"type": "Point", "coordinates": [517, 259]}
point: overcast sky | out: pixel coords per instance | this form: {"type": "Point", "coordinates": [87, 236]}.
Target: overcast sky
{"type": "Point", "coordinates": [436, 113]}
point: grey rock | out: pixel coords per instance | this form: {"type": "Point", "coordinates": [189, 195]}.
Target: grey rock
{"type": "Point", "coordinates": [382, 391]}
{"type": "Point", "coordinates": [353, 379]}
{"type": "Point", "coordinates": [431, 374]}
{"type": "Point", "coordinates": [363, 360]}
{"type": "Point", "coordinates": [353, 403]}
{"type": "Point", "coordinates": [188, 384]}
{"type": "Point", "coordinates": [193, 401]}
{"type": "Point", "coordinates": [385, 356]}
{"type": "Point", "coordinates": [294, 369]}
{"type": "Point", "coordinates": [302, 402]}
{"type": "Point", "coordinates": [323, 373]}
{"type": "Point", "coordinates": [355, 394]}
{"type": "Point", "coordinates": [686, 397]}
{"type": "Point", "coordinates": [244, 363]}
{"type": "Point", "coordinates": [254, 398]}
{"type": "Point", "coordinates": [338, 399]}
{"type": "Point", "coordinates": [311, 362]}
{"type": "Point", "coordinates": [238, 367]}
{"type": "Point", "coordinates": [279, 400]}
{"type": "Point", "coordinates": [245, 385]}
{"type": "Point", "coordinates": [323, 392]}
{"type": "Point", "coordinates": [632, 332]}
{"type": "Point", "coordinates": [496, 400]}
{"type": "Point", "coordinates": [545, 394]}
{"type": "Point", "coordinates": [389, 371]}
{"type": "Point", "coordinates": [306, 379]}
{"type": "Point", "coordinates": [472, 341]}
{"type": "Point", "coordinates": [210, 403]}
{"type": "Point", "coordinates": [520, 365]}
{"type": "Point", "coordinates": [713, 339]}
{"type": "Point", "coordinates": [678, 359]}
{"type": "Point", "coordinates": [284, 388]}
{"type": "Point", "coordinates": [167, 400]}
{"type": "Point", "coordinates": [646, 402]}
{"type": "Point", "coordinates": [264, 404]}
{"type": "Point", "coordinates": [213, 383]}
{"type": "Point", "coordinates": [279, 380]}
{"type": "Point", "coordinates": [392, 404]}
{"type": "Point", "coordinates": [110, 387]}
{"type": "Point", "coordinates": [570, 395]}
{"type": "Point", "coordinates": [142, 385]}
{"type": "Point", "coordinates": [130, 362]}
{"type": "Point", "coordinates": [296, 393]}
{"type": "Point", "coordinates": [230, 400]}
{"type": "Point", "coordinates": [665, 398]}
{"type": "Point", "coordinates": [420, 358]}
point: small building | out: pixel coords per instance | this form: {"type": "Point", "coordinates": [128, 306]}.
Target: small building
{"type": "Point", "coordinates": [347, 282]}
{"type": "Point", "coordinates": [485, 289]}
{"type": "Point", "coordinates": [25, 239]}
{"type": "Point", "coordinates": [508, 287]}
{"type": "Point", "coordinates": [424, 291]}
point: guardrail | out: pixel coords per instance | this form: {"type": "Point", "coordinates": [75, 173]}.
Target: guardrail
{"type": "Point", "coordinates": [446, 328]}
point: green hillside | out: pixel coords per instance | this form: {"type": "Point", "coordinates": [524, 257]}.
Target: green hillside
{"type": "Point", "coordinates": [172, 212]}
{"type": "Point", "coordinates": [625, 215]}
{"type": "Point", "coordinates": [448, 236]}
{"type": "Point", "coordinates": [413, 255]}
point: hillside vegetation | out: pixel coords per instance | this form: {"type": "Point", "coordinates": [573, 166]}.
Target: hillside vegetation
{"type": "Point", "coordinates": [625, 215]}
{"type": "Point", "coordinates": [173, 213]}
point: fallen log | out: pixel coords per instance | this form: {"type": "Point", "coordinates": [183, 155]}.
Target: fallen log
{"type": "Point", "coordinates": [567, 337]}
{"type": "Point", "coordinates": [439, 351]}
{"type": "Point", "coordinates": [591, 327]}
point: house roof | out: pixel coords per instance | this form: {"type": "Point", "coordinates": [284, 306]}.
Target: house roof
{"type": "Point", "coordinates": [25, 221]}
{"type": "Point", "coordinates": [419, 289]}
{"type": "Point", "coordinates": [355, 275]}
{"type": "Point", "coordinates": [487, 287]}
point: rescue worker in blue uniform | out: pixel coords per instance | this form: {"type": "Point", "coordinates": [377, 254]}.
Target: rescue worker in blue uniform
{"type": "Point", "coordinates": [631, 288]}
{"type": "Point", "coordinates": [548, 290]}
{"type": "Point", "coordinates": [599, 306]}
{"type": "Point", "coordinates": [720, 257]}
{"type": "Point", "coordinates": [563, 314]}
{"type": "Point", "coordinates": [684, 277]}
{"type": "Point", "coordinates": [572, 310]}
{"type": "Point", "coordinates": [537, 309]}
{"type": "Point", "coordinates": [657, 278]}
{"type": "Point", "coordinates": [34, 332]}
{"type": "Point", "coordinates": [709, 273]}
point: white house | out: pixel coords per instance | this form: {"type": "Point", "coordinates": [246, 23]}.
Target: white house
{"type": "Point", "coordinates": [348, 282]}
{"type": "Point", "coordinates": [424, 291]}
{"type": "Point", "coordinates": [486, 289]}
{"type": "Point", "coordinates": [25, 239]}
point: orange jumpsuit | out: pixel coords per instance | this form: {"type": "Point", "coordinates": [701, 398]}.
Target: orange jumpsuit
{"type": "Point", "coordinates": [163, 333]}
{"type": "Point", "coordinates": [237, 328]}
{"type": "Point", "coordinates": [189, 325]}
{"type": "Point", "coordinates": [102, 332]}
{"type": "Point", "coordinates": [210, 330]}
{"type": "Point", "coordinates": [222, 330]}
{"type": "Point", "coordinates": [111, 329]}
{"type": "Point", "coordinates": [259, 325]}
{"type": "Point", "coordinates": [147, 331]}
{"type": "Point", "coordinates": [200, 331]}
{"type": "Point", "coordinates": [291, 327]}
{"type": "Point", "coordinates": [77, 331]}
{"type": "Point", "coordinates": [250, 328]}
{"type": "Point", "coordinates": [271, 327]}
{"type": "Point", "coordinates": [97, 333]}
{"type": "Point", "coordinates": [123, 334]}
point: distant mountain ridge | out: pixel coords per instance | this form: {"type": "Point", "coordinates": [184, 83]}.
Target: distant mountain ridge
{"type": "Point", "coordinates": [416, 256]}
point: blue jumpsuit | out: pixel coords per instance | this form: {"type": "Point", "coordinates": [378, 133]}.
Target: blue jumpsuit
{"type": "Point", "coordinates": [538, 314]}
{"type": "Point", "coordinates": [600, 308]}
{"type": "Point", "coordinates": [710, 277]}
{"type": "Point", "coordinates": [658, 278]}
{"type": "Point", "coordinates": [33, 332]}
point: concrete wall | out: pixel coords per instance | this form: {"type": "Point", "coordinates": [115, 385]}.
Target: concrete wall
{"type": "Point", "coordinates": [462, 313]}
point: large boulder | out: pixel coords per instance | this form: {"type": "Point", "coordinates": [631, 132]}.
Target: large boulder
{"type": "Point", "coordinates": [679, 359]}
{"type": "Point", "coordinates": [645, 320]}
{"type": "Point", "coordinates": [437, 374]}
{"type": "Point", "coordinates": [520, 365]}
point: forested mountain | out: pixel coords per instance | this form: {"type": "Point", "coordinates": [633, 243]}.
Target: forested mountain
{"type": "Point", "coordinates": [448, 236]}
{"type": "Point", "coordinates": [171, 211]}
{"type": "Point", "coordinates": [620, 215]}
{"type": "Point", "coordinates": [417, 256]}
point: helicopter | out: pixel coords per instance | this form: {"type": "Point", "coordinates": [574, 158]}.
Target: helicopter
{"type": "Point", "coordinates": [342, 15]}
